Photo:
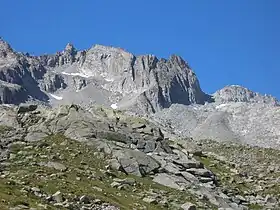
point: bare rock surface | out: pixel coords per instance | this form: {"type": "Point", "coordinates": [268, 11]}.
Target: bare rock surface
{"type": "Point", "coordinates": [255, 124]}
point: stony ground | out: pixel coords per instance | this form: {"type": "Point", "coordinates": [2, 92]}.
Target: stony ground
{"type": "Point", "coordinates": [256, 124]}
{"type": "Point", "coordinates": [60, 173]}
{"type": "Point", "coordinates": [252, 174]}
{"type": "Point", "coordinates": [73, 158]}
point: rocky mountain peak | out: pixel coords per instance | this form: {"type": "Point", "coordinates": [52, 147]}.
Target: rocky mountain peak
{"type": "Point", "coordinates": [178, 60]}
{"type": "Point", "coordinates": [114, 76]}
{"type": "Point", "coordinates": [5, 48]}
{"type": "Point", "coordinates": [237, 93]}
{"type": "Point", "coordinates": [70, 49]}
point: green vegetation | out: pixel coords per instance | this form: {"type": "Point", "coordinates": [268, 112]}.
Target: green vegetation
{"type": "Point", "coordinates": [226, 177]}
{"type": "Point", "coordinates": [84, 174]}
{"type": "Point", "coordinates": [4, 129]}
{"type": "Point", "coordinates": [243, 170]}
{"type": "Point", "coordinates": [255, 207]}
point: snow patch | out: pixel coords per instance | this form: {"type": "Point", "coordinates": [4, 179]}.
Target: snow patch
{"type": "Point", "coordinates": [235, 85]}
{"type": "Point", "coordinates": [114, 106]}
{"type": "Point", "coordinates": [221, 106]}
{"type": "Point", "coordinates": [76, 74]}
{"type": "Point", "coordinates": [56, 97]}
{"type": "Point", "coordinates": [7, 105]}
{"type": "Point", "coordinates": [109, 80]}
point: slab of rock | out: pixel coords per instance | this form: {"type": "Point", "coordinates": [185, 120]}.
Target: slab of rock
{"type": "Point", "coordinates": [150, 200]}
{"type": "Point", "coordinates": [188, 163]}
{"type": "Point", "coordinates": [115, 184]}
{"type": "Point", "coordinates": [175, 182]}
{"type": "Point", "coordinates": [136, 162]}
{"type": "Point", "coordinates": [35, 136]}
{"type": "Point", "coordinates": [150, 146]}
{"type": "Point", "coordinates": [85, 199]}
{"type": "Point", "coordinates": [128, 181]}
{"type": "Point", "coordinates": [188, 206]}
{"type": "Point", "coordinates": [138, 125]}
{"type": "Point", "coordinates": [26, 108]}
{"type": "Point", "coordinates": [172, 168]}
{"type": "Point", "coordinates": [200, 172]}
{"type": "Point", "coordinates": [190, 177]}
{"type": "Point", "coordinates": [57, 197]}
{"type": "Point", "coordinates": [55, 165]}
{"type": "Point", "coordinates": [114, 164]}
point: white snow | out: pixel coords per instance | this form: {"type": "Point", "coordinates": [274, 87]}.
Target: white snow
{"type": "Point", "coordinates": [103, 74]}
{"type": "Point", "coordinates": [221, 106]}
{"type": "Point", "coordinates": [7, 105]}
{"type": "Point", "coordinates": [114, 106]}
{"type": "Point", "coordinates": [109, 80]}
{"type": "Point", "coordinates": [76, 74]}
{"type": "Point", "coordinates": [56, 97]}
{"type": "Point", "coordinates": [235, 85]}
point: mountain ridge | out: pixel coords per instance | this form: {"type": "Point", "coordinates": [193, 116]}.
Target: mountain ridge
{"type": "Point", "coordinates": [141, 82]}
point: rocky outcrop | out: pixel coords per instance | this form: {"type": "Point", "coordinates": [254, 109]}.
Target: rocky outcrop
{"type": "Point", "coordinates": [52, 82]}
{"type": "Point", "coordinates": [12, 93]}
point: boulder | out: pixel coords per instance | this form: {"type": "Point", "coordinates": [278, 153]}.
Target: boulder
{"type": "Point", "coordinates": [172, 181]}
{"type": "Point", "coordinates": [57, 197]}
{"type": "Point", "coordinates": [26, 108]}
{"type": "Point", "coordinates": [136, 162]}
{"type": "Point", "coordinates": [188, 206]}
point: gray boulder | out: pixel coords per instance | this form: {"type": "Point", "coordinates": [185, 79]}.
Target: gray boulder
{"type": "Point", "coordinates": [136, 162]}
{"type": "Point", "coordinates": [26, 108]}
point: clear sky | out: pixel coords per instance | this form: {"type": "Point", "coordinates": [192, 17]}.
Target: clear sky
{"type": "Point", "coordinates": [224, 41]}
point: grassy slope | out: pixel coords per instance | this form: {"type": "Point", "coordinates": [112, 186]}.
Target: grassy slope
{"type": "Point", "coordinates": [81, 161]}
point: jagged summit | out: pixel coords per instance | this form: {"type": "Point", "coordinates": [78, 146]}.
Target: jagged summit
{"type": "Point", "coordinates": [109, 76]}
{"type": "Point", "coordinates": [70, 49]}
{"type": "Point", "coordinates": [5, 48]}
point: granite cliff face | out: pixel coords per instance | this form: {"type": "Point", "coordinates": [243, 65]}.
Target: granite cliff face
{"type": "Point", "coordinates": [103, 75]}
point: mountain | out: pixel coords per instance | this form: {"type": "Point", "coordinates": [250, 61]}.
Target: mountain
{"type": "Point", "coordinates": [103, 75]}
{"type": "Point", "coordinates": [163, 144]}
{"type": "Point", "coordinates": [111, 76]}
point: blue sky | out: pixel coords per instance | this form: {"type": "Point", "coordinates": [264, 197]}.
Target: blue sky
{"type": "Point", "coordinates": [225, 42]}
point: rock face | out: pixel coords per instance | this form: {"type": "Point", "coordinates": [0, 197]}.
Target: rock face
{"type": "Point", "coordinates": [142, 82]}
